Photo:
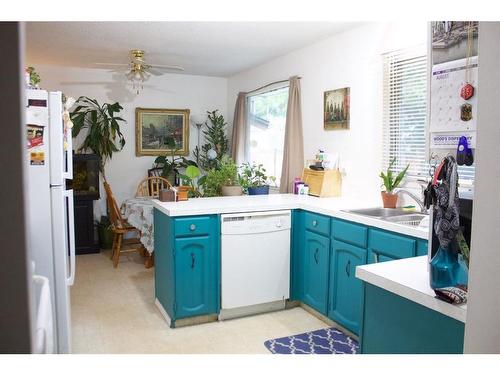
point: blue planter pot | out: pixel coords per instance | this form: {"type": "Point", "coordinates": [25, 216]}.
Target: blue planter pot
{"type": "Point", "coordinates": [259, 190]}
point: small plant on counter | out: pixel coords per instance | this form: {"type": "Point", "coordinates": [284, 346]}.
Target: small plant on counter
{"type": "Point", "coordinates": [222, 180]}
{"type": "Point", "coordinates": [192, 179]}
{"type": "Point", "coordinates": [254, 180]}
{"type": "Point", "coordinates": [391, 182]}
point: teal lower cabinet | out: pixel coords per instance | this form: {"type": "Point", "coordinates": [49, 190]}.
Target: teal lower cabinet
{"type": "Point", "coordinates": [187, 271]}
{"type": "Point", "coordinates": [396, 325]}
{"type": "Point", "coordinates": [346, 291]}
{"type": "Point", "coordinates": [195, 282]}
{"type": "Point", "coordinates": [422, 248]}
{"type": "Point", "coordinates": [295, 255]}
{"type": "Point", "coordinates": [384, 246]}
{"type": "Point", "coordinates": [315, 259]}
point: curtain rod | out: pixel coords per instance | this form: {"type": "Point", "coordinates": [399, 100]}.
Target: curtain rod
{"type": "Point", "coordinates": [269, 84]}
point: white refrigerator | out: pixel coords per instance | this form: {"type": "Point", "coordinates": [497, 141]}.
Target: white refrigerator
{"type": "Point", "coordinates": [50, 219]}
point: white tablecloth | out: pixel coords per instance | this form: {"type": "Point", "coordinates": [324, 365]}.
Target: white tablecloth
{"type": "Point", "coordinates": [139, 213]}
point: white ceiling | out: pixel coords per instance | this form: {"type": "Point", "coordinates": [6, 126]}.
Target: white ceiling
{"type": "Point", "coordinates": [204, 48]}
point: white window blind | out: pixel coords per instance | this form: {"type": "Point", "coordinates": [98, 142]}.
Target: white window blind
{"type": "Point", "coordinates": [405, 114]}
{"type": "Point", "coordinates": [404, 111]}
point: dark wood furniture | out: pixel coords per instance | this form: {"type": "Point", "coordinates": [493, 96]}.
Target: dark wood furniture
{"type": "Point", "coordinates": [85, 185]}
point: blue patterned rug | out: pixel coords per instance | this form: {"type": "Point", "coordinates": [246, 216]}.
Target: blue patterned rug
{"type": "Point", "coordinates": [322, 341]}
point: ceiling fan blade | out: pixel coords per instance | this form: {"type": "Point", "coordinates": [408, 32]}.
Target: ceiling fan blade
{"type": "Point", "coordinates": [169, 67]}
{"type": "Point", "coordinates": [154, 71]}
{"type": "Point", "coordinates": [111, 64]}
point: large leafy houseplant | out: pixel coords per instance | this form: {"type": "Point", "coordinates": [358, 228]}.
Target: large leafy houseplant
{"type": "Point", "coordinates": [102, 122]}
{"type": "Point", "coordinates": [390, 181]}
{"type": "Point", "coordinates": [217, 144]}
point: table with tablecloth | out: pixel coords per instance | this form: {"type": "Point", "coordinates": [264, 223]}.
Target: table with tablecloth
{"type": "Point", "coordinates": [139, 213]}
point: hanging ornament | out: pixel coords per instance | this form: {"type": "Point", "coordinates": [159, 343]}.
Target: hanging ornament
{"type": "Point", "coordinates": [466, 112]}
{"type": "Point", "coordinates": [467, 90]}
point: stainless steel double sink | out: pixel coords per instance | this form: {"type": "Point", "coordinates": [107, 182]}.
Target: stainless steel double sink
{"type": "Point", "coordinates": [393, 215]}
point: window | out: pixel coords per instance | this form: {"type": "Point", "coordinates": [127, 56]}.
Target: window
{"type": "Point", "coordinates": [405, 114]}
{"type": "Point", "coordinates": [266, 126]}
{"type": "Point", "coordinates": [405, 90]}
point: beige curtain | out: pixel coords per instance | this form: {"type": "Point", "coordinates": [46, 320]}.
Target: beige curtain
{"type": "Point", "coordinates": [293, 154]}
{"type": "Point", "coordinates": [239, 129]}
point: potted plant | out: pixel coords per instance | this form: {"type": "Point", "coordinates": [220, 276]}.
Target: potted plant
{"type": "Point", "coordinates": [191, 183]}
{"type": "Point", "coordinates": [390, 183]}
{"type": "Point", "coordinates": [228, 171]}
{"type": "Point", "coordinates": [172, 166]}
{"type": "Point", "coordinates": [254, 180]}
{"type": "Point", "coordinates": [103, 138]}
{"type": "Point", "coordinates": [104, 232]}
{"type": "Point", "coordinates": [222, 180]}
{"type": "Point", "coordinates": [217, 144]}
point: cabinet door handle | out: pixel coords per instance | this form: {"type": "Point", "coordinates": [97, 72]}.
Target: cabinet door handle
{"type": "Point", "coordinates": [348, 268]}
{"type": "Point", "coordinates": [192, 227]}
{"type": "Point", "coordinates": [193, 260]}
{"type": "Point", "coordinates": [314, 223]}
{"type": "Point", "coordinates": [316, 255]}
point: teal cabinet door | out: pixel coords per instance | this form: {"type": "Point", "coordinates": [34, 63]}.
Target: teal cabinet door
{"type": "Point", "coordinates": [422, 248]}
{"type": "Point", "coordinates": [195, 277]}
{"type": "Point", "coordinates": [346, 291]}
{"type": "Point", "coordinates": [315, 264]}
{"type": "Point", "coordinates": [384, 246]}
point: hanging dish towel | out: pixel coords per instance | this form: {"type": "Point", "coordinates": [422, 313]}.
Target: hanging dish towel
{"type": "Point", "coordinates": [447, 222]}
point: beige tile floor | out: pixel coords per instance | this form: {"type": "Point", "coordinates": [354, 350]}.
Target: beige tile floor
{"type": "Point", "coordinates": [113, 311]}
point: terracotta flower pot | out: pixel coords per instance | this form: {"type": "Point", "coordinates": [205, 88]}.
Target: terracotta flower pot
{"type": "Point", "coordinates": [228, 191]}
{"type": "Point", "coordinates": [390, 200]}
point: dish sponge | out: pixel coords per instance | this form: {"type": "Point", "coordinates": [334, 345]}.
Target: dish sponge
{"type": "Point", "coordinates": [408, 208]}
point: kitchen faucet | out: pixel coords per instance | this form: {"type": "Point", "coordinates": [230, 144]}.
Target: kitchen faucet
{"type": "Point", "coordinates": [413, 196]}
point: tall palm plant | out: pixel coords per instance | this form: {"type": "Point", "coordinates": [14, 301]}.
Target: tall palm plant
{"type": "Point", "coordinates": [102, 121]}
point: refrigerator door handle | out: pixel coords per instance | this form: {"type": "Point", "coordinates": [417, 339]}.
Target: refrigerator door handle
{"type": "Point", "coordinates": [68, 174]}
{"type": "Point", "coordinates": [71, 241]}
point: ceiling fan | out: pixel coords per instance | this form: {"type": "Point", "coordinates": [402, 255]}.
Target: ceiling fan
{"type": "Point", "coordinates": [138, 71]}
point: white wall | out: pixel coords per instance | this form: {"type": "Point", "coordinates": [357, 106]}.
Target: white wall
{"type": "Point", "coordinates": [352, 59]}
{"type": "Point", "coordinates": [125, 170]}
{"type": "Point", "coordinates": [482, 329]}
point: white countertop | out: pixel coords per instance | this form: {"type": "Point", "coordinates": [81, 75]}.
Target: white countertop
{"type": "Point", "coordinates": [251, 203]}
{"type": "Point", "coordinates": [409, 278]}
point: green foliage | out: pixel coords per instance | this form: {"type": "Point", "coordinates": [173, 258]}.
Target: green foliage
{"type": "Point", "coordinates": [170, 166]}
{"type": "Point", "coordinates": [389, 181]}
{"type": "Point", "coordinates": [103, 129]}
{"type": "Point", "coordinates": [225, 175]}
{"type": "Point", "coordinates": [34, 76]}
{"type": "Point", "coordinates": [216, 139]}
{"type": "Point", "coordinates": [189, 178]}
{"type": "Point", "coordinates": [254, 175]}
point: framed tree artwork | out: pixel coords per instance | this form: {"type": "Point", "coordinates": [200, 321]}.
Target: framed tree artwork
{"type": "Point", "coordinates": [336, 109]}
{"type": "Point", "coordinates": [158, 131]}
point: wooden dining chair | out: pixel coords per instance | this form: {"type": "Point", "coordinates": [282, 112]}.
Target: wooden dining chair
{"type": "Point", "coordinates": [151, 186]}
{"type": "Point", "coordinates": [119, 227]}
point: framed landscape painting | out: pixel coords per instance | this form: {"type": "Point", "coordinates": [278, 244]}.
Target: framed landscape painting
{"type": "Point", "coordinates": [161, 131]}
{"type": "Point", "coordinates": [336, 111]}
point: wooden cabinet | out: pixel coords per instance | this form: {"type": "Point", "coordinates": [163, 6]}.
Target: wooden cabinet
{"type": "Point", "coordinates": [315, 257]}
{"type": "Point", "coordinates": [346, 291]}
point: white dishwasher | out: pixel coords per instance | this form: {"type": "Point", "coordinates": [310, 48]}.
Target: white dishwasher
{"type": "Point", "coordinates": [255, 262]}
